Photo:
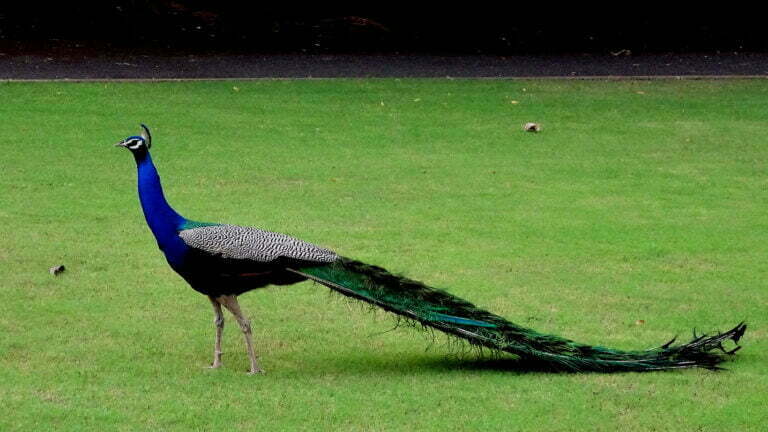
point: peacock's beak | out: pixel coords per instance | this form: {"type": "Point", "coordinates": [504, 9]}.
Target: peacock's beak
{"type": "Point", "coordinates": [121, 144]}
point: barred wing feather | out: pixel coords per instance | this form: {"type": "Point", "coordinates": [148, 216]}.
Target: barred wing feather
{"type": "Point", "coordinates": [236, 242]}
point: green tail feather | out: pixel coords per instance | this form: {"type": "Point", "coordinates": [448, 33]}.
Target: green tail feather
{"type": "Point", "coordinates": [440, 310]}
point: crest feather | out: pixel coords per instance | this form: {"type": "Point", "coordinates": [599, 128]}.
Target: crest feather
{"type": "Point", "coordinates": [146, 135]}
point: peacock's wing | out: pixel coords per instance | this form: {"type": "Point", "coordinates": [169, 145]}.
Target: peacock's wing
{"type": "Point", "coordinates": [253, 244]}
{"type": "Point", "coordinates": [229, 259]}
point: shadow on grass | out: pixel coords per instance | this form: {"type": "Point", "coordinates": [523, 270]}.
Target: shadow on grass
{"type": "Point", "coordinates": [348, 364]}
{"type": "Point", "coordinates": [420, 364]}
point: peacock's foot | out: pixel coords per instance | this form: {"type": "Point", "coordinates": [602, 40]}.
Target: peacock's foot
{"type": "Point", "coordinates": [255, 371]}
{"type": "Point", "coordinates": [214, 366]}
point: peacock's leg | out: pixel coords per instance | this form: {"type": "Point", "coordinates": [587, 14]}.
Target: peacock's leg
{"type": "Point", "coordinates": [218, 321]}
{"type": "Point", "coordinates": [230, 302]}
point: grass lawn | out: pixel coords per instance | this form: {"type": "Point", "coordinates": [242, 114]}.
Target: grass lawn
{"type": "Point", "coordinates": [638, 213]}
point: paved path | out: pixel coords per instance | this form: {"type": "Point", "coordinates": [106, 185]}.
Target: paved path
{"type": "Point", "coordinates": [77, 66]}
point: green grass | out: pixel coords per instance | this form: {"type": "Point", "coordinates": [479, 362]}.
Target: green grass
{"type": "Point", "coordinates": [638, 213]}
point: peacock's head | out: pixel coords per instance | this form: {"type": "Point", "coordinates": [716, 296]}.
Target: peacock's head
{"type": "Point", "coordinates": [138, 144]}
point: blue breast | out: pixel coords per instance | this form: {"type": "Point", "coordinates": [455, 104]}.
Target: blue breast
{"type": "Point", "coordinates": [162, 219]}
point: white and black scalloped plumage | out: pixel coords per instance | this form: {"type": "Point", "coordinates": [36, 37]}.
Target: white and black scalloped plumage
{"type": "Point", "coordinates": [230, 259]}
{"type": "Point", "coordinates": [245, 243]}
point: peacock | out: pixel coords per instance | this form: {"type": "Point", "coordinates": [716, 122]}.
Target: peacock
{"type": "Point", "coordinates": [224, 261]}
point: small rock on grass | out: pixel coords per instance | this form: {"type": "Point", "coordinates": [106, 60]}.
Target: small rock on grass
{"type": "Point", "coordinates": [532, 127]}
{"type": "Point", "coordinates": [57, 270]}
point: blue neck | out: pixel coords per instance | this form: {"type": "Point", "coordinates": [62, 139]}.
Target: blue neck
{"type": "Point", "coordinates": [161, 218]}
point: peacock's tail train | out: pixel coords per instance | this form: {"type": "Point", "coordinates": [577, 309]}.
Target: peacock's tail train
{"type": "Point", "coordinates": [440, 310]}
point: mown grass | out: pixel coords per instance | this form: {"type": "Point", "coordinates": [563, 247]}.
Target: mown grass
{"type": "Point", "coordinates": [638, 213]}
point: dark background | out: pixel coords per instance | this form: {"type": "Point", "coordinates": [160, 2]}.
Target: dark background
{"type": "Point", "coordinates": [472, 28]}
